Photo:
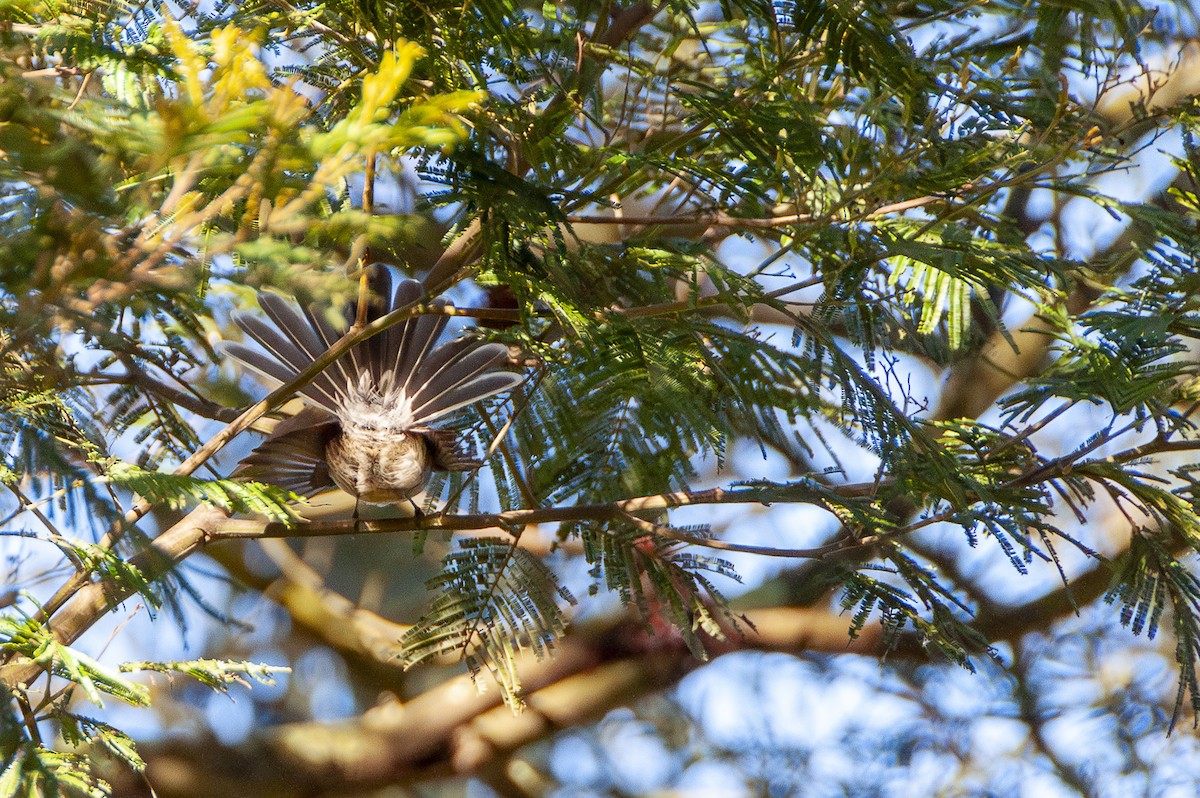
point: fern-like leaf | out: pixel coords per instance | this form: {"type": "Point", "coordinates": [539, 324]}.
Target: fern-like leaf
{"type": "Point", "coordinates": [495, 600]}
{"type": "Point", "coordinates": [178, 491]}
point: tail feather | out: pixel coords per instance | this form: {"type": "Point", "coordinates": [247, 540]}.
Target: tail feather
{"type": "Point", "coordinates": [278, 346]}
{"type": "Point", "coordinates": [311, 335]}
{"type": "Point", "coordinates": [419, 336]}
{"type": "Point", "coordinates": [273, 369]}
{"type": "Point", "coordinates": [443, 357]}
{"type": "Point", "coordinates": [324, 330]}
{"type": "Point", "coordinates": [293, 324]}
{"type": "Point", "coordinates": [459, 397]}
{"type": "Point", "coordinates": [463, 357]}
{"type": "Point", "coordinates": [392, 355]}
{"type": "Point", "coordinates": [387, 344]}
{"type": "Point", "coordinates": [452, 375]}
{"type": "Point", "coordinates": [285, 362]}
{"type": "Point", "coordinates": [406, 292]}
{"type": "Point", "coordinates": [346, 366]}
{"type": "Point", "coordinates": [371, 354]}
{"type": "Point", "coordinates": [404, 359]}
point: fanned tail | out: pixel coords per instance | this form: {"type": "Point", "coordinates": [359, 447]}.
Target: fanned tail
{"type": "Point", "coordinates": [407, 369]}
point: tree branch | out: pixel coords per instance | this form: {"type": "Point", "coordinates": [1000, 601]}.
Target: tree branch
{"type": "Point", "coordinates": [455, 730]}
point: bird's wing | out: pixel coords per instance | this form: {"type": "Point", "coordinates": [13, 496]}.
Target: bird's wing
{"type": "Point", "coordinates": [294, 456]}
{"type": "Point", "coordinates": [446, 452]}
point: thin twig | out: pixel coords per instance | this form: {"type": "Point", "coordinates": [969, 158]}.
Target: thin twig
{"type": "Point", "coordinates": [514, 519]}
{"type": "Point", "coordinates": [364, 282]}
{"type": "Point", "coordinates": [57, 538]}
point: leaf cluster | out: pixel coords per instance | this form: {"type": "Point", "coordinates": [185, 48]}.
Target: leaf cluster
{"type": "Point", "coordinates": [494, 601]}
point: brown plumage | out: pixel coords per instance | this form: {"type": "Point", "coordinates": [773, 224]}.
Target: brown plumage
{"type": "Point", "coordinates": [366, 429]}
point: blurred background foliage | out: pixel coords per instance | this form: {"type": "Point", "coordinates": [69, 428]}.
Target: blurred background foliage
{"type": "Point", "coordinates": [856, 454]}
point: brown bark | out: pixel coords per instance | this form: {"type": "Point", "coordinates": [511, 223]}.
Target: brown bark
{"type": "Point", "coordinates": [456, 730]}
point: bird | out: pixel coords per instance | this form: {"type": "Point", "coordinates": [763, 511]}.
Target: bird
{"type": "Point", "coordinates": [365, 427]}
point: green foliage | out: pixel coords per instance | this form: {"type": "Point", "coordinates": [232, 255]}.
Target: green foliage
{"type": "Point", "coordinates": [35, 771]}
{"type": "Point", "coordinates": [30, 638]}
{"type": "Point", "coordinates": [933, 613]}
{"type": "Point", "coordinates": [1123, 359]}
{"type": "Point", "coordinates": [1149, 580]}
{"type": "Point", "coordinates": [77, 730]}
{"type": "Point", "coordinates": [31, 769]}
{"type": "Point", "coordinates": [218, 674]}
{"type": "Point", "coordinates": [178, 491]}
{"type": "Point", "coordinates": [865, 42]}
{"type": "Point", "coordinates": [662, 579]}
{"type": "Point", "coordinates": [630, 382]}
{"type": "Point", "coordinates": [495, 600]}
